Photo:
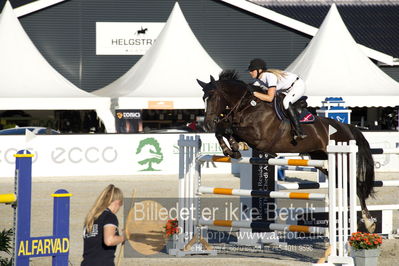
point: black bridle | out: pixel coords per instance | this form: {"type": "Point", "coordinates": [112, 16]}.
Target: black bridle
{"type": "Point", "coordinates": [228, 113]}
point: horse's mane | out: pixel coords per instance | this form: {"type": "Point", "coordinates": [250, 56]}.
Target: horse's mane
{"type": "Point", "coordinates": [228, 74]}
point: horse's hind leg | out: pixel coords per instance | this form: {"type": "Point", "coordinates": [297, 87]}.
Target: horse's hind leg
{"type": "Point", "coordinates": [366, 216]}
{"type": "Point", "coordinates": [369, 223]}
{"type": "Point", "coordinates": [319, 155]}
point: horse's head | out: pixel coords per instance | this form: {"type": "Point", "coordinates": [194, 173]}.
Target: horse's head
{"type": "Point", "coordinates": [214, 104]}
{"type": "Point", "coordinates": [219, 97]}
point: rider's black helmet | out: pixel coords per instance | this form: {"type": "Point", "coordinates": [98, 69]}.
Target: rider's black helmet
{"type": "Point", "coordinates": [256, 64]}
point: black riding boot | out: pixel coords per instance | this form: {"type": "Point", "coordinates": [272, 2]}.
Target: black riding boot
{"type": "Point", "coordinates": [295, 122]}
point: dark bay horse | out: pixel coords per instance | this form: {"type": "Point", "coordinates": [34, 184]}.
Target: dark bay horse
{"type": "Point", "coordinates": [235, 114]}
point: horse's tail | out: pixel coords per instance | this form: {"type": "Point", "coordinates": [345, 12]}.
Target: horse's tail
{"type": "Point", "coordinates": [365, 165]}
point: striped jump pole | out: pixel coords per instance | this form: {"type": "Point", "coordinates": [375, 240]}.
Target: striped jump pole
{"type": "Point", "coordinates": [8, 198]}
{"type": "Point", "coordinates": [299, 162]}
{"type": "Point", "coordinates": [262, 193]}
{"type": "Point", "coordinates": [265, 226]}
{"type": "Point", "coordinates": [317, 185]}
{"type": "Point", "coordinates": [226, 159]}
{"type": "Point", "coordinates": [298, 168]}
{"type": "Point", "coordinates": [281, 171]}
{"type": "Point", "coordinates": [304, 185]}
{"type": "Point", "coordinates": [386, 183]}
{"type": "Point", "coordinates": [263, 161]}
{"type": "Point", "coordinates": [384, 151]}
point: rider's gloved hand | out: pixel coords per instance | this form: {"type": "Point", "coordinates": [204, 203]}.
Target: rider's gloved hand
{"type": "Point", "coordinates": [251, 89]}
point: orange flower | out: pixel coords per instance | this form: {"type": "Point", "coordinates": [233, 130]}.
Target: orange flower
{"type": "Point", "coordinates": [365, 240]}
{"type": "Point", "coordinates": [171, 227]}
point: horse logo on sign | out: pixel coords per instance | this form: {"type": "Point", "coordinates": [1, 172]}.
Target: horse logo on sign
{"type": "Point", "coordinates": [141, 31]}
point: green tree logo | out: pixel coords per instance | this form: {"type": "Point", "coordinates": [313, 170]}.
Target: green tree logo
{"type": "Point", "coordinates": [150, 147]}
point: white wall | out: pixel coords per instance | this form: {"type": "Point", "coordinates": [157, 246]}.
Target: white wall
{"type": "Point", "coordinates": [384, 162]}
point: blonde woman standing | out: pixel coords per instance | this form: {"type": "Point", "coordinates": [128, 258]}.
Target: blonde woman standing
{"type": "Point", "coordinates": [273, 80]}
{"type": "Point", "coordinates": [100, 235]}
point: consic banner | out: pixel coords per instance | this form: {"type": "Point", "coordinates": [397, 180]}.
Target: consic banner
{"type": "Point", "coordinates": [128, 121]}
{"type": "Point", "coordinates": [126, 38]}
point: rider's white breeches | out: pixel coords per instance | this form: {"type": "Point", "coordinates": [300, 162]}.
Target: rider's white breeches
{"type": "Point", "coordinates": [296, 92]}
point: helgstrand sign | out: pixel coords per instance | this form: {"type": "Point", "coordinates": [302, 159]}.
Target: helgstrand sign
{"type": "Point", "coordinates": [126, 38]}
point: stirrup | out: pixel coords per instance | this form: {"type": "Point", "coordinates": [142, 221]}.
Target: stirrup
{"type": "Point", "coordinates": [300, 136]}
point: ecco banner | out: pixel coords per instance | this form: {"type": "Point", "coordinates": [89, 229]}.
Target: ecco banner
{"type": "Point", "coordinates": [126, 38]}
{"type": "Point", "coordinates": [135, 154]}
{"type": "Point", "coordinates": [104, 154]}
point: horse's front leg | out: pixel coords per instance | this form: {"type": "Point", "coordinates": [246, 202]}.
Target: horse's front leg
{"type": "Point", "coordinates": [224, 130]}
{"type": "Point", "coordinates": [226, 149]}
{"type": "Point", "coordinates": [234, 147]}
{"type": "Point", "coordinates": [231, 151]}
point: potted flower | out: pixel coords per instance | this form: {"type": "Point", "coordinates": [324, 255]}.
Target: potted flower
{"type": "Point", "coordinates": [171, 231]}
{"type": "Point", "coordinates": [365, 248]}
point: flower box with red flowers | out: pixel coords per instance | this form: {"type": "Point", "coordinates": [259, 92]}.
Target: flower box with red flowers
{"type": "Point", "coordinates": [365, 248]}
{"type": "Point", "coordinates": [361, 240]}
{"type": "Point", "coordinates": [171, 228]}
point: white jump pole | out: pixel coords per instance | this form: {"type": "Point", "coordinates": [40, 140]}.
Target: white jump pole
{"type": "Point", "coordinates": [197, 183]}
{"type": "Point", "coordinates": [345, 202]}
{"type": "Point", "coordinates": [352, 185]}
{"type": "Point", "coordinates": [332, 200]}
{"type": "Point", "coordinates": [340, 202]}
{"type": "Point", "coordinates": [182, 196]}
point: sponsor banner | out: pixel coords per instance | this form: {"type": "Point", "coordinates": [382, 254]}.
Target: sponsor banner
{"type": "Point", "coordinates": [321, 219]}
{"type": "Point", "coordinates": [128, 121]}
{"type": "Point", "coordinates": [126, 38]}
{"type": "Point", "coordinates": [104, 155]}
{"type": "Point", "coordinates": [384, 162]}
{"type": "Point", "coordinates": [160, 105]}
{"type": "Point", "coordinates": [135, 154]}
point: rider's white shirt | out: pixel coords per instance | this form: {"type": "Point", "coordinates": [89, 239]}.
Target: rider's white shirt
{"type": "Point", "coordinates": [268, 79]}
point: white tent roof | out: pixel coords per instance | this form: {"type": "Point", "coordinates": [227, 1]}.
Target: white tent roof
{"type": "Point", "coordinates": [29, 82]}
{"type": "Point", "coordinates": [166, 75]}
{"type": "Point", "coordinates": [333, 65]}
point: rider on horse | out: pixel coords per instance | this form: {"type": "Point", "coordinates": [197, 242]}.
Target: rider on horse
{"type": "Point", "coordinates": [272, 80]}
